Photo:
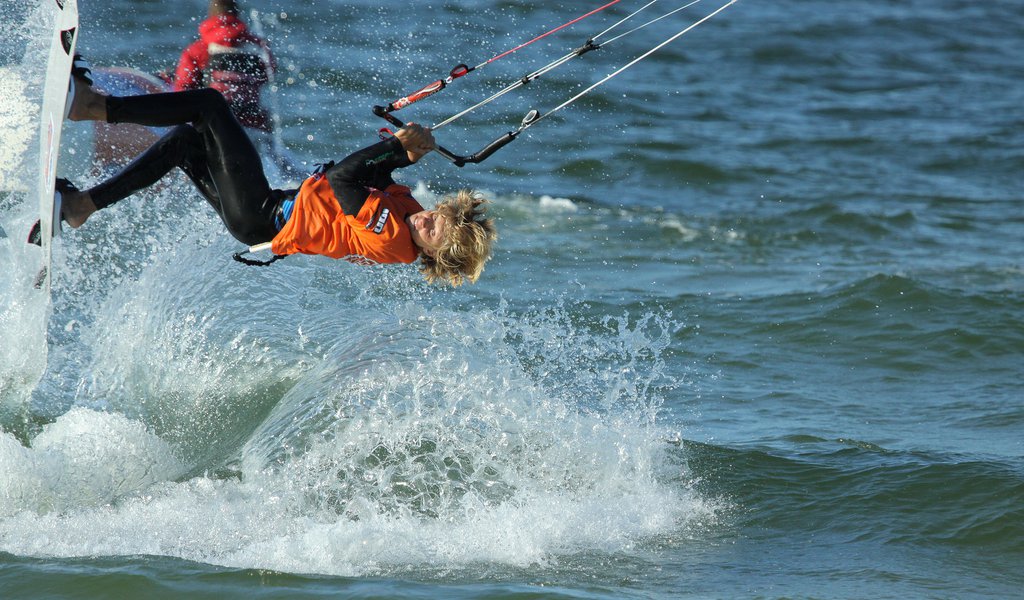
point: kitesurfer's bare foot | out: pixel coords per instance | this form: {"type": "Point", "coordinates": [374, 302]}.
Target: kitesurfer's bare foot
{"type": "Point", "coordinates": [76, 208]}
{"type": "Point", "coordinates": [87, 104]}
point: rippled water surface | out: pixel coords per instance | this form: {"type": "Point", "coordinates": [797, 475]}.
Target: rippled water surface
{"type": "Point", "coordinates": [754, 326]}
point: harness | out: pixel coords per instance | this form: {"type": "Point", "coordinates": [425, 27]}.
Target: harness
{"type": "Point", "coordinates": [281, 216]}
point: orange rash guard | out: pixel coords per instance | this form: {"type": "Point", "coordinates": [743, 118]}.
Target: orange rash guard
{"type": "Point", "coordinates": [378, 233]}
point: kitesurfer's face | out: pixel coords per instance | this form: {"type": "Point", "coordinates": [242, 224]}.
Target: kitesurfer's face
{"type": "Point", "coordinates": [428, 229]}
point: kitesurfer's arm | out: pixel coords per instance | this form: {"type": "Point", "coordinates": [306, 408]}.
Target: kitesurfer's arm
{"type": "Point", "coordinates": [371, 167]}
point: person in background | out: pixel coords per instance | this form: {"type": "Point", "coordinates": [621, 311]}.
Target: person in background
{"type": "Point", "coordinates": [230, 59]}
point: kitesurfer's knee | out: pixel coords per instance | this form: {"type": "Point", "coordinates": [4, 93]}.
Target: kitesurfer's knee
{"type": "Point", "coordinates": [213, 107]}
{"type": "Point", "coordinates": [182, 146]}
{"type": "Point", "coordinates": [181, 137]}
{"type": "Point", "coordinates": [209, 98]}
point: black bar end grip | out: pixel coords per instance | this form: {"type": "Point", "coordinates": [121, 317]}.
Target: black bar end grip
{"type": "Point", "coordinates": [491, 148]}
{"type": "Point", "coordinates": [460, 161]}
{"type": "Point", "coordinates": [385, 114]}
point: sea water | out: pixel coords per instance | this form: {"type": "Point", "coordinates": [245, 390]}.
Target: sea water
{"type": "Point", "coordinates": [754, 326]}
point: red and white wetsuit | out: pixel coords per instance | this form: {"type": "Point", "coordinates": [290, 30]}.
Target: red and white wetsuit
{"type": "Point", "coordinates": [232, 60]}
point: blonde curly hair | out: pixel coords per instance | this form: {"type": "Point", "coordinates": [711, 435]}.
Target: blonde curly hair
{"type": "Point", "coordinates": [467, 241]}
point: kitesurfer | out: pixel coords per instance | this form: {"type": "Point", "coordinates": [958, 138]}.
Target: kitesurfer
{"type": "Point", "coordinates": [352, 209]}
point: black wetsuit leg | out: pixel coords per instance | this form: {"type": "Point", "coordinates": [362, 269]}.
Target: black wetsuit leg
{"type": "Point", "coordinates": [215, 152]}
{"type": "Point", "coordinates": [181, 147]}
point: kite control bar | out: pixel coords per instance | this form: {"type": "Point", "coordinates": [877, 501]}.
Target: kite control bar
{"type": "Point", "coordinates": [462, 70]}
{"type": "Point", "coordinates": [477, 157]}
{"type": "Point", "coordinates": [534, 116]}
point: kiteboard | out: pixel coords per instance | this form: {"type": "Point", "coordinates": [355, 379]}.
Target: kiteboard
{"type": "Point", "coordinates": [63, 38]}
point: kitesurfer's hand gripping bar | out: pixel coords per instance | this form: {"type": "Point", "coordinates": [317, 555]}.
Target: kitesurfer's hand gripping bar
{"type": "Point", "coordinates": [383, 113]}
{"type": "Point", "coordinates": [477, 157]}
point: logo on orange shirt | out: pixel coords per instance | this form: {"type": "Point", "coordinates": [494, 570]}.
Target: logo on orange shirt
{"type": "Point", "coordinates": [381, 220]}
